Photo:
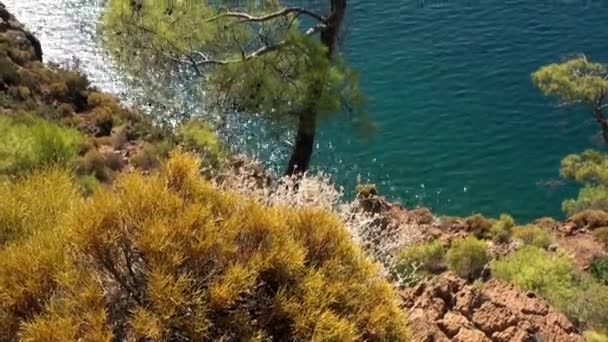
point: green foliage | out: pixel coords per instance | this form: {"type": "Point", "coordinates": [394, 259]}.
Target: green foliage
{"type": "Point", "coordinates": [428, 257]}
{"type": "Point", "coordinates": [589, 308]}
{"type": "Point", "coordinates": [93, 163]}
{"type": "Point", "coordinates": [28, 143]}
{"type": "Point", "coordinates": [573, 80]}
{"type": "Point", "coordinates": [533, 235]}
{"type": "Point", "coordinates": [491, 229]}
{"type": "Point", "coordinates": [594, 336]}
{"type": "Point", "coordinates": [599, 269]}
{"type": "Point", "coordinates": [198, 136]}
{"type": "Point", "coordinates": [501, 229]}
{"type": "Point", "coordinates": [468, 257]}
{"type": "Point", "coordinates": [601, 234]}
{"type": "Point", "coordinates": [588, 168]}
{"type": "Point", "coordinates": [553, 277]}
{"type": "Point", "coordinates": [88, 184]}
{"type": "Point", "coordinates": [532, 269]}
{"type": "Point", "coordinates": [479, 225]}
{"type": "Point", "coordinates": [295, 75]}
{"type": "Point", "coordinates": [167, 256]}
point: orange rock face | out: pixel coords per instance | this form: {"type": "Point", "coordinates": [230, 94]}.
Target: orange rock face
{"type": "Point", "coordinates": [446, 308]}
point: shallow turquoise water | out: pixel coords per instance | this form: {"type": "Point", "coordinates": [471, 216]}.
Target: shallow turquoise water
{"type": "Point", "coordinates": [461, 128]}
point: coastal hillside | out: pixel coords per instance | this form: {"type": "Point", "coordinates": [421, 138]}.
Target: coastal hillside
{"type": "Point", "coordinates": [116, 228]}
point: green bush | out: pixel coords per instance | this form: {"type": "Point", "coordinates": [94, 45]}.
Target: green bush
{"type": "Point", "coordinates": [479, 225]}
{"type": "Point", "coordinates": [94, 163]}
{"type": "Point", "coordinates": [589, 307]}
{"type": "Point", "coordinates": [533, 235]}
{"type": "Point", "coordinates": [601, 235]}
{"type": "Point", "coordinates": [428, 257]}
{"type": "Point", "coordinates": [533, 269]}
{"type": "Point", "coordinates": [468, 257]}
{"type": "Point", "coordinates": [553, 277]}
{"type": "Point", "coordinates": [169, 257]}
{"type": "Point", "coordinates": [198, 137]}
{"type": "Point", "coordinates": [491, 229]}
{"type": "Point", "coordinates": [28, 143]}
{"type": "Point", "coordinates": [594, 336]}
{"type": "Point", "coordinates": [88, 184]}
{"type": "Point", "coordinates": [599, 269]}
{"type": "Point", "coordinates": [501, 229]}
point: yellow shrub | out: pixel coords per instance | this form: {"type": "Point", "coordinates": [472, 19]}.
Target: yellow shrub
{"type": "Point", "coordinates": [34, 203]}
{"type": "Point", "coordinates": [169, 257]}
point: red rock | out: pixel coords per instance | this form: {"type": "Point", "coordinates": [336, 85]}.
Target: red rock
{"type": "Point", "coordinates": [469, 335]}
{"type": "Point", "coordinates": [452, 322]}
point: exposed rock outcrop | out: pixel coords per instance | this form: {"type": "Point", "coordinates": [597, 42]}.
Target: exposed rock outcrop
{"type": "Point", "coordinates": [446, 308]}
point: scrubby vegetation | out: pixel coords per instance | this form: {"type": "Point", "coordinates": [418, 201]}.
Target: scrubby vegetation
{"type": "Point", "coordinates": [167, 256]}
{"type": "Point", "coordinates": [531, 268]}
{"type": "Point", "coordinates": [552, 276]}
{"type": "Point", "coordinates": [533, 235]}
{"type": "Point", "coordinates": [105, 237]}
{"type": "Point", "coordinates": [599, 269]}
{"type": "Point", "coordinates": [418, 260]}
{"type": "Point", "coordinates": [197, 136]}
{"type": "Point", "coordinates": [28, 142]}
{"type": "Point", "coordinates": [590, 218]}
{"type": "Point", "coordinates": [601, 234]}
{"type": "Point", "coordinates": [594, 336]}
{"type": "Point", "coordinates": [468, 257]}
{"type": "Point", "coordinates": [498, 230]}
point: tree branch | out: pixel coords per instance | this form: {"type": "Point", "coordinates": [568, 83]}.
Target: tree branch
{"type": "Point", "coordinates": [245, 17]}
{"type": "Point", "coordinates": [257, 53]}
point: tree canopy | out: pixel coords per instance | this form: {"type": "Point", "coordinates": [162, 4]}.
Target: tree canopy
{"type": "Point", "coordinates": [591, 169]}
{"type": "Point", "coordinates": [574, 80]}
{"type": "Point", "coordinates": [577, 80]}
{"type": "Point", "coordinates": [260, 58]}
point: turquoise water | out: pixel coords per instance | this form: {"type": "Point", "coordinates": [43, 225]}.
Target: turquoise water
{"type": "Point", "coordinates": [461, 128]}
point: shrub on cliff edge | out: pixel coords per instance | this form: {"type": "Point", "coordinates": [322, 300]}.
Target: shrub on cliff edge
{"type": "Point", "coordinates": [533, 235]}
{"type": "Point", "coordinates": [468, 257]}
{"type": "Point", "coordinates": [428, 256]}
{"type": "Point", "coordinates": [169, 257]}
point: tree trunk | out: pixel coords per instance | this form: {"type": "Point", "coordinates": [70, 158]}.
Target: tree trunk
{"type": "Point", "coordinates": [599, 117]}
{"type": "Point", "coordinates": [304, 144]}
{"type": "Point", "coordinates": [307, 120]}
{"type": "Point", "coordinates": [605, 131]}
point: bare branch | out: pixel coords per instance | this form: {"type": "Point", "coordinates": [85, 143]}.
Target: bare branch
{"type": "Point", "coordinates": [286, 11]}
